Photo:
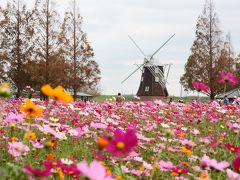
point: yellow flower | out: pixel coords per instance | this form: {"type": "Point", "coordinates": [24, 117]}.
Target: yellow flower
{"type": "Point", "coordinates": [174, 174]}
{"type": "Point", "coordinates": [50, 156]}
{"type": "Point", "coordinates": [156, 166]}
{"type": "Point", "coordinates": [210, 128]}
{"type": "Point", "coordinates": [119, 177]}
{"type": "Point", "coordinates": [30, 109]}
{"type": "Point", "coordinates": [13, 139]}
{"type": "Point", "coordinates": [59, 172]}
{"type": "Point", "coordinates": [203, 175]}
{"type": "Point", "coordinates": [30, 136]}
{"type": "Point", "coordinates": [5, 90]}
{"type": "Point", "coordinates": [141, 168]}
{"type": "Point", "coordinates": [102, 143]}
{"type": "Point", "coordinates": [52, 143]}
{"type": "Point", "coordinates": [187, 151]}
{"type": "Point", "coordinates": [57, 93]}
{"type": "Point", "coordinates": [180, 134]}
{"type": "Point", "coordinates": [221, 139]}
{"type": "Point", "coordinates": [108, 171]}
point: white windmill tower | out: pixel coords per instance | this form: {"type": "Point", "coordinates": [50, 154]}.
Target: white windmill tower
{"type": "Point", "coordinates": [154, 77]}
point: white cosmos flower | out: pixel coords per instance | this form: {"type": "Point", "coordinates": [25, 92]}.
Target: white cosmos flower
{"type": "Point", "coordinates": [165, 125]}
{"type": "Point", "coordinates": [66, 161]}
{"type": "Point", "coordinates": [53, 119]}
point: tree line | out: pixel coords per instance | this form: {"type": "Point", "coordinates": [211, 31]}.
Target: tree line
{"type": "Point", "coordinates": [210, 54]}
{"type": "Point", "coordinates": [38, 46]}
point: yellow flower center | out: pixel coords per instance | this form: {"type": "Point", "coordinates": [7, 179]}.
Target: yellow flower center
{"type": "Point", "coordinates": [13, 139]}
{"type": "Point", "coordinates": [102, 143]}
{"type": "Point", "coordinates": [119, 177]}
{"type": "Point", "coordinates": [120, 145]}
{"type": "Point", "coordinates": [232, 149]}
{"type": "Point", "coordinates": [203, 175]}
{"type": "Point", "coordinates": [174, 174]}
{"type": "Point", "coordinates": [180, 134]}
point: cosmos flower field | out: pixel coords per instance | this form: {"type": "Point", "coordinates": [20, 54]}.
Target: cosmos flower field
{"type": "Point", "coordinates": [127, 140]}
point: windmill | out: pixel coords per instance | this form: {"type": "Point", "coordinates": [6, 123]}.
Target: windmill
{"type": "Point", "coordinates": [154, 77]}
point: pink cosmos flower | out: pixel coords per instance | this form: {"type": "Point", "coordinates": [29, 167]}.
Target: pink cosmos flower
{"type": "Point", "coordinates": [38, 143]}
{"type": "Point", "coordinates": [232, 175]}
{"type": "Point", "coordinates": [208, 162]}
{"type": "Point", "coordinates": [37, 172]}
{"type": "Point", "coordinates": [196, 168]}
{"type": "Point", "coordinates": [98, 125]}
{"type": "Point", "coordinates": [17, 149]}
{"type": "Point", "coordinates": [165, 166]}
{"type": "Point", "coordinates": [187, 142]}
{"type": "Point", "coordinates": [200, 86]}
{"type": "Point", "coordinates": [220, 166]}
{"type": "Point", "coordinates": [94, 171]}
{"type": "Point", "coordinates": [14, 118]}
{"type": "Point", "coordinates": [122, 143]}
{"type": "Point", "coordinates": [228, 78]}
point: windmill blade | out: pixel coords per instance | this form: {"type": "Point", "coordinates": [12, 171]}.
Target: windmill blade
{"type": "Point", "coordinates": [133, 72]}
{"type": "Point", "coordinates": [137, 46]}
{"type": "Point", "coordinates": [169, 66]}
{"type": "Point", "coordinates": [138, 66]}
{"type": "Point", "coordinates": [161, 46]}
{"type": "Point", "coordinates": [154, 67]}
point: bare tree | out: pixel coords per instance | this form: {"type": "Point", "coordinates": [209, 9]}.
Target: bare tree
{"type": "Point", "coordinates": [84, 73]}
{"type": "Point", "coordinates": [16, 45]}
{"type": "Point", "coordinates": [47, 34]}
{"type": "Point", "coordinates": [210, 54]}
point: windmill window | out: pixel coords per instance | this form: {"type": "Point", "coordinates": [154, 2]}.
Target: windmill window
{"type": "Point", "coordinates": [146, 88]}
{"type": "Point", "coordinates": [143, 70]}
{"type": "Point", "coordinates": [156, 79]}
{"type": "Point", "coordinates": [142, 79]}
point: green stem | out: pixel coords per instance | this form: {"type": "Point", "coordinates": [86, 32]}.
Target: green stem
{"type": "Point", "coordinates": [225, 86]}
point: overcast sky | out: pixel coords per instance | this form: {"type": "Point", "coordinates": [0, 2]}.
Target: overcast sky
{"type": "Point", "coordinates": [150, 22]}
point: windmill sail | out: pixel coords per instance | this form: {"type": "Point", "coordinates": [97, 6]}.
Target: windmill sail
{"type": "Point", "coordinates": [153, 81]}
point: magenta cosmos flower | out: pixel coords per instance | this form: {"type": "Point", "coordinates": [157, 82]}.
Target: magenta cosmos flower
{"type": "Point", "coordinates": [228, 78]}
{"type": "Point", "coordinates": [122, 143]}
{"type": "Point", "coordinates": [37, 172]}
{"type": "Point", "coordinates": [236, 164]}
{"type": "Point", "coordinates": [232, 148]}
{"type": "Point", "coordinates": [200, 86]}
